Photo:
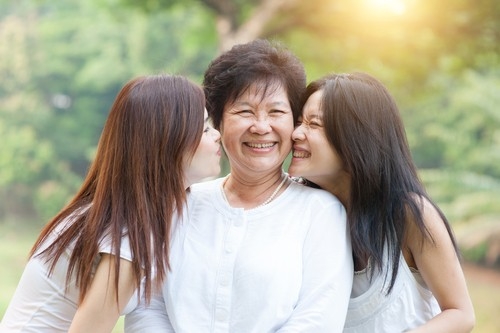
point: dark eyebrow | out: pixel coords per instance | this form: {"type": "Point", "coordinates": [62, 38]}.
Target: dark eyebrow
{"type": "Point", "coordinates": [271, 104]}
{"type": "Point", "coordinates": [278, 103]}
{"type": "Point", "coordinates": [242, 104]}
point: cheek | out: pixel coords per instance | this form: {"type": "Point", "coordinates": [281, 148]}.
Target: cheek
{"type": "Point", "coordinates": [287, 144]}
{"type": "Point", "coordinates": [336, 163]}
{"type": "Point", "coordinates": [288, 122]}
{"type": "Point", "coordinates": [285, 129]}
{"type": "Point", "coordinates": [202, 149]}
{"type": "Point", "coordinates": [226, 139]}
{"type": "Point", "coordinates": [318, 143]}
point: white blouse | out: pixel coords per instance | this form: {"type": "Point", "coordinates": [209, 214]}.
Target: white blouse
{"type": "Point", "coordinates": [283, 267]}
{"type": "Point", "coordinates": [409, 305]}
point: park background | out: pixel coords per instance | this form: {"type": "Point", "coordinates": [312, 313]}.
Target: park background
{"type": "Point", "coordinates": [63, 61]}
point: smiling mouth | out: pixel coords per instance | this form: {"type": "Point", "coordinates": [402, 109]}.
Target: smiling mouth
{"type": "Point", "coordinates": [301, 154]}
{"type": "Point", "coordinates": [260, 145]}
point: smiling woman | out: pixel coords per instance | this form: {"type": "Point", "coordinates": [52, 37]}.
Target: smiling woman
{"type": "Point", "coordinates": [258, 253]}
{"type": "Point", "coordinates": [408, 275]}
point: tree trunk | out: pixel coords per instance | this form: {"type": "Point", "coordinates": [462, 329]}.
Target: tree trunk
{"type": "Point", "coordinates": [231, 33]}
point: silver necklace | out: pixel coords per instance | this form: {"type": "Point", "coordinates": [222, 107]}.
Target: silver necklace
{"type": "Point", "coordinates": [268, 200]}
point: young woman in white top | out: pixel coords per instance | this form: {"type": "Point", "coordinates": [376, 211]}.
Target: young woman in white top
{"type": "Point", "coordinates": [112, 239]}
{"type": "Point", "coordinates": [351, 142]}
{"type": "Point", "coordinates": [256, 252]}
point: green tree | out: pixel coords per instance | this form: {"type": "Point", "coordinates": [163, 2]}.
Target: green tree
{"type": "Point", "coordinates": [235, 21]}
{"type": "Point", "coordinates": [65, 62]}
{"type": "Point", "coordinates": [456, 140]}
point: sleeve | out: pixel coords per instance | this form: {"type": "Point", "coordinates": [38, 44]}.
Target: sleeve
{"type": "Point", "coordinates": [125, 250]}
{"type": "Point", "coordinates": [149, 318]}
{"type": "Point", "coordinates": [327, 274]}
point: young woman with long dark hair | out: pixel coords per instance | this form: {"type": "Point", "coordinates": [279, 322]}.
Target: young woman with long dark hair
{"type": "Point", "coordinates": [351, 142]}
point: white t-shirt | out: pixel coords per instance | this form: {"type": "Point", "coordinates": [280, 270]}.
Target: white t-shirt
{"type": "Point", "coordinates": [283, 267]}
{"type": "Point", "coordinates": [409, 305]}
{"type": "Point", "coordinates": [41, 303]}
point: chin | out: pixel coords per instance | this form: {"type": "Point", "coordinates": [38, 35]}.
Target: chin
{"type": "Point", "coordinates": [297, 172]}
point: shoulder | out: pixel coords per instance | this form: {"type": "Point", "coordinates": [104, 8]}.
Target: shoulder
{"type": "Point", "coordinates": [313, 195]}
{"type": "Point", "coordinates": [205, 194]}
{"type": "Point", "coordinates": [207, 186]}
{"type": "Point", "coordinates": [431, 230]}
{"type": "Point", "coordinates": [431, 217]}
{"type": "Point", "coordinates": [312, 204]}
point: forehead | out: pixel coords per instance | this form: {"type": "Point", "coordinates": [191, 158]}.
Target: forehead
{"type": "Point", "coordinates": [313, 105]}
{"type": "Point", "coordinates": [263, 90]}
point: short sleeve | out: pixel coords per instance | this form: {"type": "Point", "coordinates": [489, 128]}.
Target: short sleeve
{"type": "Point", "coordinates": [125, 250]}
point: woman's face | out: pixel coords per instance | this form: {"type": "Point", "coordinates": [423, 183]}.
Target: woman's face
{"type": "Point", "coordinates": [313, 156]}
{"type": "Point", "coordinates": [256, 130]}
{"type": "Point", "coordinates": [206, 159]}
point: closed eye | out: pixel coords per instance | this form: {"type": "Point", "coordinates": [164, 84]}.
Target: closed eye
{"type": "Point", "coordinates": [309, 124]}
{"type": "Point", "coordinates": [277, 111]}
{"type": "Point", "coordinates": [244, 112]}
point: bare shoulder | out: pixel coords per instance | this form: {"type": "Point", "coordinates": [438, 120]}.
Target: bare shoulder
{"type": "Point", "coordinates": [431, 218]}
{"type": "Point", "coordinates": [435, 234]}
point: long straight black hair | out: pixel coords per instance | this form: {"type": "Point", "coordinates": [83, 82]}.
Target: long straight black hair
{"type": "Point", "coordinates": [362, 122]}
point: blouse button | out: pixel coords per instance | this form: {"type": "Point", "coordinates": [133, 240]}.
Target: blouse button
{"type": "Point", "coordinates": [224, 281]}
{"type": "Point", "coordinates": [221, 315]}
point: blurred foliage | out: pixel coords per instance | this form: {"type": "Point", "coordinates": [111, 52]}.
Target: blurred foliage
{"type": "Point", "coordinates": [63, 61]}
{"type": "Point", "coordinates": [62, 64]}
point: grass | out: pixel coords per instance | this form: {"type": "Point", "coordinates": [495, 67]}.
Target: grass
{"type": "Point", "coordinates": [16, 240]}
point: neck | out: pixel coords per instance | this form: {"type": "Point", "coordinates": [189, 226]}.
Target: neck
{"type": "Point", "coordinates": [248, 194]}
{"type": "Point", "coordinates": [342, 190]}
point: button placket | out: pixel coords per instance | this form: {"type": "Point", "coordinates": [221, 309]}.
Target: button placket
{"type": "Point", "coordinates": [234, 237]}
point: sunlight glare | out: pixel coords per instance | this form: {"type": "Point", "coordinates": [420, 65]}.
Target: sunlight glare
{"type": "Point", "coordinates": [397, 7]}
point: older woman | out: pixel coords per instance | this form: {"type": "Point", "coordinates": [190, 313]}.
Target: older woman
{"type": "Point", "coordinates": [258, 252]}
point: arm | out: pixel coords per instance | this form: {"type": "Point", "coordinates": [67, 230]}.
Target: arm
{"type": "Point", "coordinates": [327, 275]}
{"type": "Point", "coordinates": [442, 272]}
{"type": "Point", "coordinates": [149, 318]}
{"type": "Point", "coordinates": [99, 310]}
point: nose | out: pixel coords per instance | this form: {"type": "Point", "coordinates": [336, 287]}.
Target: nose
{"type": "Point", "coordinates": [298, 134]}
{"type": "Point", "coordinates": [261, 126]}
{"type": "Point", "coordinates": [216, 135]}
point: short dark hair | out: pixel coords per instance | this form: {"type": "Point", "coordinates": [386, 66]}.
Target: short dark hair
{"type": "Point", "coordinates": [230, 74]}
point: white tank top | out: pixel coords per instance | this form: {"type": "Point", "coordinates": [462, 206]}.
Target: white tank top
{"type": "Point", "coordinates": [409, 305]}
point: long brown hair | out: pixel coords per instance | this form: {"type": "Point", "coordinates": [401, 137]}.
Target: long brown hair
{"type": "Point", "coordinates": [363, 123]}
{"type": "Point", "coordinates": [135, 184]}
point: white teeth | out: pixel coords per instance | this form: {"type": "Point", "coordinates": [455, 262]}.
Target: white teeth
{"type": "Point", "coordinates": [301, 154]}
{"type": "Point", "coordinates": [260, 145]}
